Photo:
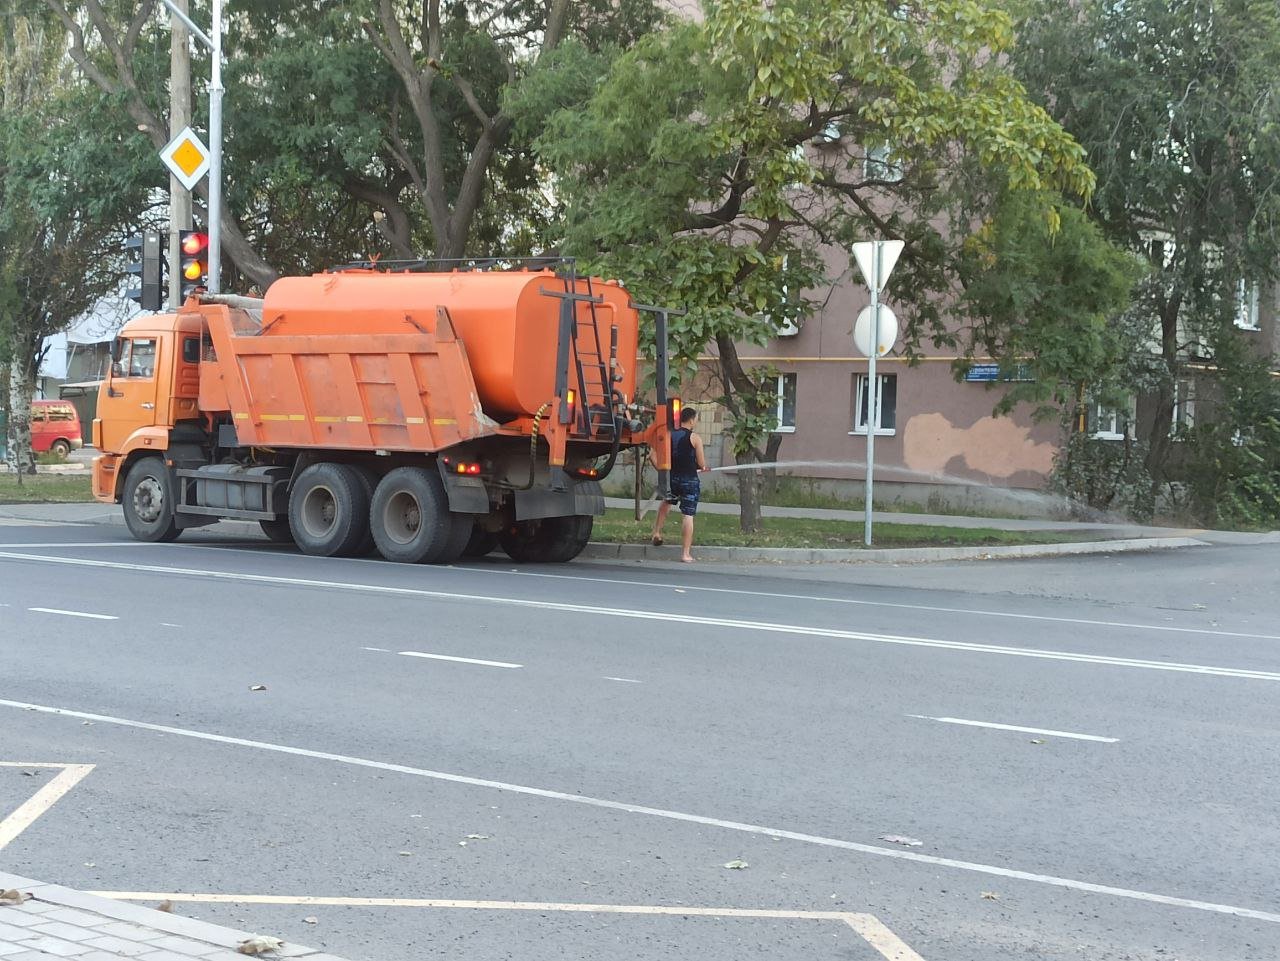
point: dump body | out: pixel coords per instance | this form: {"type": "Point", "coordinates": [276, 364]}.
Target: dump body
{"type": "Point", "coordinates": [395, 387]}
{"type": "Point", "coordinates": [507, 321]}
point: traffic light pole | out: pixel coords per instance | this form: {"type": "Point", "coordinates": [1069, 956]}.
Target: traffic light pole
{"type": "Point", "coordinates": [179, 120]}
{"type": "Point", "coordinates": [214, 216]}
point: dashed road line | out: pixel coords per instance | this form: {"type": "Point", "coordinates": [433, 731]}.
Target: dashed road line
{"type": "Point", "coordinates": [684, 619]}
{"type": "Point", "coordinates": [624, 680]}
{"type": "Point", "coordinates": [670, 815]}
{"type": "Point", "coordinates": [55, 610]}
{"type": "Point", "coordinates": [1015, 727]}
{"type": "Point", "coordinates": [460, 660]}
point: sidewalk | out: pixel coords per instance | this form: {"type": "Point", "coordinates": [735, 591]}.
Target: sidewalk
{"type": "Point", "coordinates": [58, 923]}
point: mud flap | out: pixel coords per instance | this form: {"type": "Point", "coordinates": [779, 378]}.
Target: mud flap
{"type": "Point", "coordinates": [467, 495]}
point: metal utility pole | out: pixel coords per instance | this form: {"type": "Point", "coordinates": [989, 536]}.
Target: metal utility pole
{"type": "Point", "coordinates": [179, 120]}
{"type": "Point", "coordinates": [214, 45]}
{"type": "Point", "coordinates": [872, 384]}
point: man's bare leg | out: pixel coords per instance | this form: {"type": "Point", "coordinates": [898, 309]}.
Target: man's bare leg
{"type": "Point", "coordinates": [663, 509]}
{"type": "Point", "coordinates": [686, 538]}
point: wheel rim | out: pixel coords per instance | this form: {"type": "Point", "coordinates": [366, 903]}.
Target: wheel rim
{"type": "Point", "coordinates": [319, 511]}
{"type": "Point", "coordinates": [402, 517]}
{"type": "Point", "coordinates": [148, 500]}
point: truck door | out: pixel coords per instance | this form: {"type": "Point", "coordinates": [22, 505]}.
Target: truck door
{"type": "Point", "coordinates": [130, 400]}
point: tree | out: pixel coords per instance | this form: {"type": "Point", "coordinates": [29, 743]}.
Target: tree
{"type": "Point", "coordinates": [1049, 305]}
{"type": "Point", "coordinates": [354, 130]}
{"type": "Point", "coordinates": [691, 167]}
{"type": "Point", "coordinates": [65, 186]}
{"type": "Point", "coordinates": [1175, 103]}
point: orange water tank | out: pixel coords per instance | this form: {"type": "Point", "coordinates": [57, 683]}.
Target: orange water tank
{"type": "Point", "coordinates": [507, 324]}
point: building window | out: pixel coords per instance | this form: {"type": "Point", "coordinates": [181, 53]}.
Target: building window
{"type": "Point", "coordinates": [1246, 306]}
{"type": "Point", "coordinates": [785, 412]}
{"type": "Point", "coordinates": [1110, 423]}
{"type": "Point", "coordinates": [1184, 408]}
{"type": "Point", "coordinates": [879, 166]}
{"type": "Point", "coordinates": [886, 403]}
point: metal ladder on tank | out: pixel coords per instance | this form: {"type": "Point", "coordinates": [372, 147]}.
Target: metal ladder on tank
{"type": "Point", "coordinates": [595, 379]}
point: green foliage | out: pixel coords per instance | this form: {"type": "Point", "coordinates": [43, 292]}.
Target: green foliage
{"type": "Point", "coordinates": [1232, 467]}
{"type": "Point", "coordinates": [1047, 304]}
{"type": "Point", "coordinates": [690, 167]}
{"type": "Point", "coordinates": [1104, 475]}
{"type": "Point", "coordinates": [1174, 102]}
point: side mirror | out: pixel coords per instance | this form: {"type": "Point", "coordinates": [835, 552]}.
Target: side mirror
{"type": "Point", "coordinates": [116, 371]}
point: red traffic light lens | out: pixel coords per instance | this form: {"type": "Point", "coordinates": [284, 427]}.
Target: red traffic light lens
{"type": "Point", "coordinates": [194, 243]}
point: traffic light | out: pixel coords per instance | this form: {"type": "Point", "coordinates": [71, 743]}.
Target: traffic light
{"type": "Point", "coordinates": [193, 259]}
{"type": "Point", "coordinates": [147, 263]}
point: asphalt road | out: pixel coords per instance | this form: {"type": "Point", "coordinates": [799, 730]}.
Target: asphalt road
{"type": "Point", "coordinates": [616, 735]}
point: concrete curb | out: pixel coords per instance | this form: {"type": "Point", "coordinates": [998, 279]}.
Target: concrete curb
{"type": "Point", "coordinates": [76, 922]}
{"type": "Point", "coordinates": [109, 517]}
{"type": "Point", "coordinates": [891, 555]}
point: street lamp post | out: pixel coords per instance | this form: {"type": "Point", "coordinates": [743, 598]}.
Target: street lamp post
{"type": "Point", "coordinates": [213, 218]}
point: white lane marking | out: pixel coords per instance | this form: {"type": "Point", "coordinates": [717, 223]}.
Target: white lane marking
{"type": "Point", "coordinates": [1014, 727]}
{"type": "Point", "coordinates": [821, 598]}
{"type": "Point", "coordinates": [379, 650]}
{"type": "Point", "coordinates": [874, 932]}
{"type": "Point", "coordinates": [991, 869]}
{"type": "Point", "coordinates": [624, 680]}
{"type": "Point", "coordinates": [682, 619]}
{"type": "Point", "coordinates": [870, 928]}
{"type": "Point", "coordinates": [167, 624]}
{"type": "Point", "coordinates": [460, 660]}
{"type": "Point", "coordinates": [54, 610]}
{"type": "Point", "coordinates": [26, 813]}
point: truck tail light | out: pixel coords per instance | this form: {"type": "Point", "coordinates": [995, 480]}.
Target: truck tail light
{"type": "Point", "coordinates": [463, 468]}
{"type": "Point", "coordinates": [587, 472]}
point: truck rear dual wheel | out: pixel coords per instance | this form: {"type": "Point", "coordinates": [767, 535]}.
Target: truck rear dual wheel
{"type": "Point", "coordinates": [411, 520]}
{"type": "Point", "coordinates": [553, 540]}
{"type": "Point", "coordinates": [148, 501]}
{"type": "Point", "coordinates": [329, 510]}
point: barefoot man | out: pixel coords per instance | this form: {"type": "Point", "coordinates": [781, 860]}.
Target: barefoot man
{"type": "Point", "coordinates": [687, 459]}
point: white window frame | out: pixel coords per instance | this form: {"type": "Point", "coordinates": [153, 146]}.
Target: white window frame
{"type": "Point", "coordinates": [879, 166]}
{"type": "Point", "coordinates": [1184, 407]}
{"type": "Point", "coordinates": [1248, 296]}
{"type": "Point", "coordinates": [780, 383]}
{"type": "Point", "coordinates": [1108, 421]}
{"type": "Point", "coordinates": [859, 416]}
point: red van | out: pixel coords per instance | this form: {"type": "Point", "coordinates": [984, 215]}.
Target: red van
{"type": "Point", "coordinates": [55, 426]}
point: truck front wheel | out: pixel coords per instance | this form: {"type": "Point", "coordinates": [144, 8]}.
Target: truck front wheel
{"type": "Point", "coordinates": [410, 517]}
{"type": "Point", "coordinates": [148, 501]}
{"type": "Point", "coordinates": [329, 510]}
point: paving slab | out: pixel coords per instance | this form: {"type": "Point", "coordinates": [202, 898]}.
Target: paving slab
{"type": "Point", "coordinates": [59, 922]}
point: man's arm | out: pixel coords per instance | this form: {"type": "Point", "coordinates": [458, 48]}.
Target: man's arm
{"type": "Point", "coordinates": [697, 451]}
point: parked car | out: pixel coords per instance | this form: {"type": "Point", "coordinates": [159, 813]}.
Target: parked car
{"type": "Point", "coordinates": [55, 426]}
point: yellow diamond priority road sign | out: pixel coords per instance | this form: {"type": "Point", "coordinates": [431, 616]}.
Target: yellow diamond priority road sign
{"type": "Point", "coordinates": [186, 157]}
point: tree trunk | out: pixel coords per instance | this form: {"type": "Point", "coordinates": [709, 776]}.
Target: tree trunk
{"type": "Point", "coordinates": [19, 458]}
{"type": "Point", "coordinates": [749, 484]}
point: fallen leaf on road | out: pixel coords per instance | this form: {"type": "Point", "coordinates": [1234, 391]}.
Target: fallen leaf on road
{"type": "Point", "coordinates": [736, 865]}
{"type": "Point", "coordinates": [12, 896]}
{"type": "Point", "coordinates": [990, 896]}
{"type": "Point", "coordinates": [1200, 607]}
{"type": "Point", "coordinates": [29, 773]}
{"type": "Point", "coordinates": [405, 854]}
{"type": "Point", "coordinates": [902, 839]}
{"type": "Point", "coordinates": [257, 687]}
{"type": "Point", "coordinates": [477, 837]}
{"type": "Point", "coordinates": [311, 919]}
{"type": "Point", "coordinates": [1037, 740]}
{"type": "Point", "coordinates": [260, 944]}
{"type": "Point", "coordinates": [165, 906]}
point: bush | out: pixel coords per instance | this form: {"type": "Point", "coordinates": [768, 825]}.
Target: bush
{"type": "Point", "coordinates": [1103, 475]}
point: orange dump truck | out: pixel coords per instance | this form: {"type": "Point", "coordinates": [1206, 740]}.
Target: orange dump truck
{"type": "Point", "coordinates": [422, 412]}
